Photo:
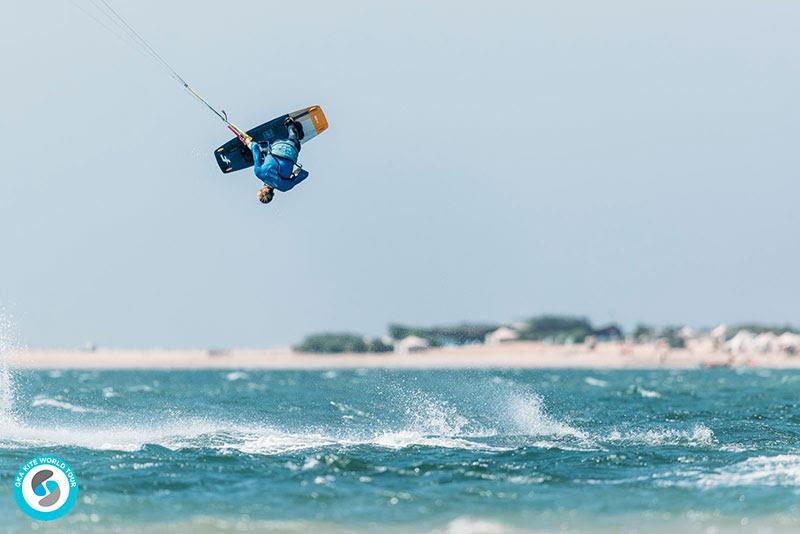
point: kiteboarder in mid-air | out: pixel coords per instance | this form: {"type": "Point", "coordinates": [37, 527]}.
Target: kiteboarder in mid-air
{"type": "Point", "coordinates": [274, 152]}
{"type": "Point", "coordinates": [275, 165]}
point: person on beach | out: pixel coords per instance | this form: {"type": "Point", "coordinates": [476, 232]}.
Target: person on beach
{"type": "Point", "coordinates": [275, 166]}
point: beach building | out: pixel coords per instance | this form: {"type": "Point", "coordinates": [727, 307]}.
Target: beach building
{"type": "Point", "coordinates": [503, 334]}
{"type": "Point", "coordinates": [765, 343]}
{"type": "Point", "coordinates": [789, 343]}
{"type": "Point", "coordinates": [411, 344]}
{"type": "Point", "coordinates": [703, 343]}
{"type": "Point", "coordinates": [718, 335]}
{"type": "Point", "coordinates": [608, 333]}
{"type": "Point", "coordinates": [743, 341]}
{"type": "Point", "coordinates": [687, 333]}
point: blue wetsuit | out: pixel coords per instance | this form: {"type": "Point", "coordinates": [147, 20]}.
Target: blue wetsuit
{"type": "Point", "coordinates": [275, 167]}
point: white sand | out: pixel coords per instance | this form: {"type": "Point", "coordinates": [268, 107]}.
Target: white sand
{"type": "Point", "coordinates": [512, 355]}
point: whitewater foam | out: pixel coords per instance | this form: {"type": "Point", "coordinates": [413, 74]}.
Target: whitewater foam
{"type": "Point", "coordinates": [516, 414]}
{"type": "Point", "coordinates": [63, 405]}
{"type": "Point", "coordinates": [596, 382]}
{"type": "Point", "coordinates": [404, 439]}
{"type": "Point", "coordinates": [780, 470]}
{"type": "Point", "coordinates": [430, 416]}
{"type": "Point", "coordinates": [526, 412]}
{"type": "Point", "coordinates": [647, 393]}
{"type": "Point", "coordinates": [349, 410]}
{"type": "Point", "coordinates": [200, 434]}
{"type": "Point", "coordinates": [699, 436]}
{"type": "Point", "coordinates": [236, 375]}
{"type": "Point", "coordinates": [9, 340]}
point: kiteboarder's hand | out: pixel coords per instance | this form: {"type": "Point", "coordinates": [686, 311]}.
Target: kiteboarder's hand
{"type": "Point", "coordinates": [248, 142]}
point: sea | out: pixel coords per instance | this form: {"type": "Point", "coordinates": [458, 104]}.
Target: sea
{"type": "Point", "coordinates": [401, 451]}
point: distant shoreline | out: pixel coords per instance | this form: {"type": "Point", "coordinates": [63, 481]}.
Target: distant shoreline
{"type": "Point", "coordinates": [517, 355]}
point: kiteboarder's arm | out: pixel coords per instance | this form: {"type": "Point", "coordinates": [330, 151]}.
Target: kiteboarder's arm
{"type": "Point", "coordinates": [258, 155]}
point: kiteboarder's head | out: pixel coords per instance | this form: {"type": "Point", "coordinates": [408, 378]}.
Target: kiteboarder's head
{"type": "Point", "coordinates": [265, 194]}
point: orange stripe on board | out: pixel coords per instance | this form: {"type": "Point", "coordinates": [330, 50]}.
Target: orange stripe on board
{"type": "Point", "coordinates": [318, 119]}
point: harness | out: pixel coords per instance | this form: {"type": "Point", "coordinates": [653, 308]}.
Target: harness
{"type": "Point", "coordinates": [285, 150]}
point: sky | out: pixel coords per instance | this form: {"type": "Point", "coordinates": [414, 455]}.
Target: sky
{"type": "Point", "coordinates": [622, 160]}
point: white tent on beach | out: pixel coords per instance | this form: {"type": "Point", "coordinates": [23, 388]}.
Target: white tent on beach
{"type": "Point", "coordinates": [789, 342]}
{"type": "Point", "coordinates": [411, 344]}
{"type": "Point", "coordinates": [503, 334]}
{"type": "Point", "coordinates": [766, 342]}
{"type": "Point", "coordinates": [743, 341]}
{"type": "Point", "coordinates": [687, 332]}
{"type": "Point", "coordinates": [717, 336]}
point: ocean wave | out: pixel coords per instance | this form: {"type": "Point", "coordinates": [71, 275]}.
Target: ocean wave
{"type": "Point", "coordinates": [428, 422]}
{"type": "Point", "coordinates": [265, 441]}
{"type": "Point", "coordinates": [513, 416]}
{"type": "Point", "coordinates": [402, 440]}
{"type": "Point", "coordinates": [236, 375]}
{"type": "Point", "coordinates": [780, 470]}
{"type": "Point", "coordinates": [349, 410]}
{"type": "Point", "coordinates": [222, 438]}
{"type": "Point", "coordinates": [63, 405]}
{"type": "Point", "coordinates": [141, 388]}
{"type": "Point", "coordinates": [699, 436]}
{"type": "Point", "coordinates": [526, 413]}
{"type": "Point", "coordinates": [648, 393]}
{"type": "Point", "coordinates": [596, 382]}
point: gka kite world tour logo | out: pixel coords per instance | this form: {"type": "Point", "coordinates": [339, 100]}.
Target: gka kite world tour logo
{"type": "Point", "coordinates": [45, 488]}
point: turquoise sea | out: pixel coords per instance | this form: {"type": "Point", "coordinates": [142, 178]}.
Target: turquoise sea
{"type": "Point", "coordinates": [490, 451]}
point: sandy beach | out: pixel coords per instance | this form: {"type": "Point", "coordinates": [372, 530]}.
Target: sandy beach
{"type": "Point", "coordinates": [529, 355]}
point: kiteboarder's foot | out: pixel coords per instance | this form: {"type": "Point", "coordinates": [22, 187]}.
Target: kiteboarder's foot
{"type": "Point", "coordinates": [298, 128]}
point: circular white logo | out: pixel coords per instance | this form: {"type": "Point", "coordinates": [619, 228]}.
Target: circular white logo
{"type": "Point", "coordinates": [45, 487]}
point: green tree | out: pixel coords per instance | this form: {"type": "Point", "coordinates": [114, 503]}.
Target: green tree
{"type": "Point", "coordinates": [560, 328]}
{"type": "Point", "coordinates": [460, 334]}
{"type": "Point", "coordinates": [671, 334]}
{"type": "Point", "coordinates": [333, 343]}
{"type": "Point", "coordinates": [643, 332]}
{"type": "Point", "coordinates": [377, 345]}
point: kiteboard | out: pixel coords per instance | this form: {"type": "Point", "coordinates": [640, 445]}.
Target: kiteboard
{"type": "Point", "coordinates": [234, 156]}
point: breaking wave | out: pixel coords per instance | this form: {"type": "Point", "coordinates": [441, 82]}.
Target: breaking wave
{"type": "Point", "coordinates": [699, 436]}
{"type": "Point", "coordinates": [509, 417]}
{"type": "Point", "coordinates": [427, 421]}
{"type": "Point", "coordinates": [780, 470]}
{"type": "Point", "coordinates": [224, 438]}
{"type": "Point", "coordinates": [527, 413]}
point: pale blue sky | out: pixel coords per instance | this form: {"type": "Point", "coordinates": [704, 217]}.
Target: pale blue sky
{"type": "Point", "coordinates": [485, 161]}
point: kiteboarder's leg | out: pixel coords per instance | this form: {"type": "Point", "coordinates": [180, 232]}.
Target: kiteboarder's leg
{"type": "Point", "coordinates": [295, 132]}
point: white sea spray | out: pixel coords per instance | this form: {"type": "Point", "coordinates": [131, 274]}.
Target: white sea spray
{"type": "Point", "coordinates": [9, 341]}
{"type": "Point", "coordinates": [778, 470]}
